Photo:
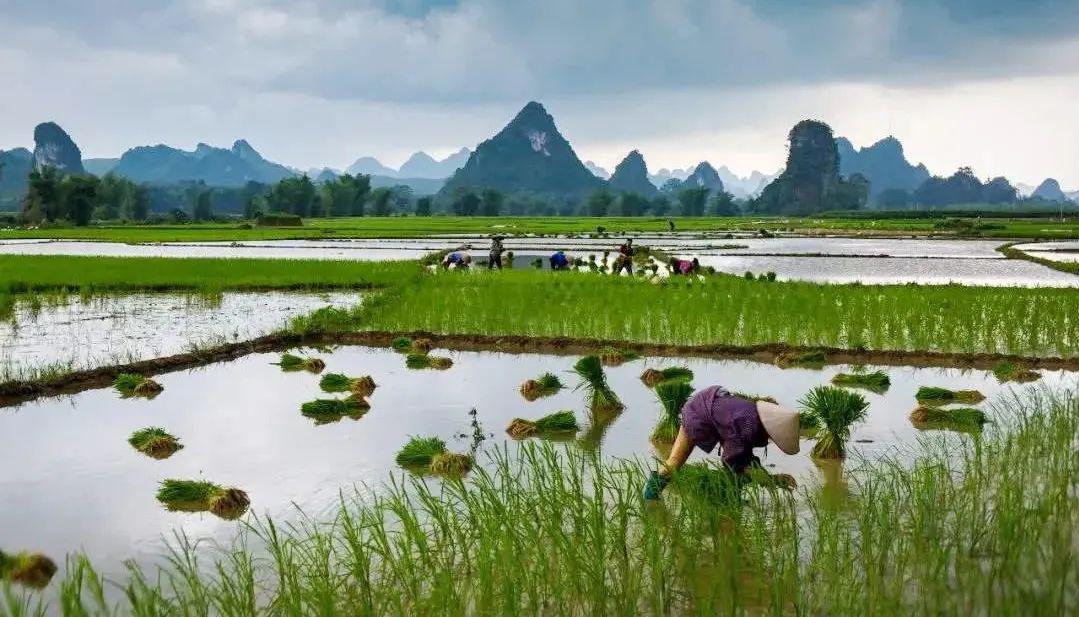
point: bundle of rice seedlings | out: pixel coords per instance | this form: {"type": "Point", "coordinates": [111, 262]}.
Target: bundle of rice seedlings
{"type": "Point", "coordinates": [672, 395]}
{"type": "Point", "coordinates": [438, 362]}
{"type": "Point", "coordinates": [1006, 371]}
{"type": "Point", "coordinates": [932, 395]}
{"type": "Point", "coordinates": [651, 376]}
{"type": "Point", "coordinates": [130, 384]}
{"type": "Point", "coordinates": [335, 382]}
{"type": "Point", "coordinates": [610, 356]}
{"type": "Point", "coordinates": [422, 345]}
{"type": "Point", "coordinates": [837, 410]}
{"type": "Point", "coordinates": [201, 496]}
{"type": "Point", "coordinates": [545, 385]}
{"type": "Point", "coordinates": [363, 386]}
{"type": "Point", "coordinates": [450, 464]}
{"type": "Point", "coordinates": [600, 395]}
{"type": "Point", "coordinates": [965, 419]}
{"type": "Point", "coordinates": [420, 451]}
{"type": "Point", "coordinates": [417, 360]}
{"type": "Point", "coordinates": [808, 423]}
{"type": "Point", "coordinates": [877, 381]}
{"type": "Point", "coordinates": [154, 442]}
{"type": "Point", "coordinates": [290, 362]}
{"type": "Point", "coordinates": [325, 410]}
{"type": "Point", "coordinates": [402, 343]}
{"type": "Point", "coordinates": [30, 569]}
{"type": "Point", "coordinates": [716, 485]}
{"type": "Point", "coordinates": [557, 422]}
{"type": "Point", "coordinates": [808, 359]}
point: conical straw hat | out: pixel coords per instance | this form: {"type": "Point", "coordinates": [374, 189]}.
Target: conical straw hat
{"type": "Point", "coordinates": [781, 424]}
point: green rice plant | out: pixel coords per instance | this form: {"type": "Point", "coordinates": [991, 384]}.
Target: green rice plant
{"type": "Point", "coordinates": [290, 362]}
{"type": "Point", "coordinates": [962, 419]}
{"type": "Point", "coordinates": [201, 496]}
{"type": "Point", "coordinates": [1006, 371]}
{"type": "Point", "coordinates": [932, 395]}
{"type": "Point", "coordinates": [807, 359]}
{"type": "Point", "coordinates": [450, 464]}
{"type": "Point", "coordinates": [544, 385]}
{"type": "Point", "coordinates": [422, 361]}
{"type": "Point", "coordinates": [326, 410]}
{"type": "Point", "coordinates": [422, 345]}
{"type": "Point", "coordinates": [611, 356]}
{"type": "Point", "coordinates": [877, 381]}
{"type": "Point", "coordinates": [651, 377]}
{"type": "Point", "coordinates": [672, 395]}
{"type": "Point", "coordinates": [130, 384]}
{"type": "Point", "coordinates": [557, 422]}
{"type": "Point", "coordinates": [155, 442]}
{"type": "Point", "coordinates": [335, 382]}
{"type": "Point", "coordinates": [420, 451]}
{"type": "Point", "coordinates": [808, 424]}
{"type": "Point", "coordinates": [710, 485]}
{"type": "Point", "coordinates": [402, 343]}
{"type": "Point", "coordinates": [594, 381]}
{"type": "Point", "coordinates": [837, 410]}
{"type": "Point", "coordinates": [30, 569]}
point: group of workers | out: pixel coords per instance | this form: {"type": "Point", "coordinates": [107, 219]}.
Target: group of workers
{"type": "Point", "coordinates": [559, 260]}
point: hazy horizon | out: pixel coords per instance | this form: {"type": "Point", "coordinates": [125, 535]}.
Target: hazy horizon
{"type": "Point", "coordinates": [319, 83]}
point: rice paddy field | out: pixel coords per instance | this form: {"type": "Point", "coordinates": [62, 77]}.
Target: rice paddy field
{"type": "Point", "coordinates": [400, 461]}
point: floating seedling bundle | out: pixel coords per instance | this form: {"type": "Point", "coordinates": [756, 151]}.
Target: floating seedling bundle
{"type": "Point", "coordinates": [877, 381]}
{"type": "Point", "coordinates": [672, 395]}
{"type": "Point", "coordinates": [154, 442]}
{"type": "Point", "coordinates": [962, 419]}
{"type": "Point", "coordinates": [450, 464]}
{"type": "Point", "coordinates": [422, 345]}
{"type": "Point", "coordinates": [31, 569]}
{"type": "Point", "coordinates": [932, 395]}
{"type": "Point", "coordinates": [558, 422]}
{"type": "Point", "coordinates": [651, 377]}
{"type": "Point", "coordinates": [807, 359]}
{"type": "Point", "coordinates": [337, 382]}
{"type": "Point", "coordinates": [130, 384]}
{"type": "Point", "coordinates": [836, 410]}
{"type": "Point", "coordinates": [420, 451]}
{"type": "Point", "coordinates": [421, 361]}
{"type": "Point", "coordinates": [594, 381]}
{"type": "Point", "coordinates": [1006, 371]}
{"type": "Point", "coordinates": [326, 410]}
{"type": "Point", "coordinates": [610, 356]}
{"type": "Point", "coordinates": [290, 362]}
{"type": "Point", "coordinates": [544, 385]}
{"type": "Point", "coordinates": [201, 496]}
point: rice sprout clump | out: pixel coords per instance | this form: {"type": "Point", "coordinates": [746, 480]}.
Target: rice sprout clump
{"type": "Point", "coordinates": [155, 442]}
{"type": "Point", "coordinates": [33, 570]}
{"type": "Point", "coordinates": [594, 381]}
{"type": "Point", "coordinates": [932, 395]}
{"type": "Point", "coordinates": [651, 376]}
{"type": "Point", "coordinates": [291, 362]}
{"type": "Point", "coordinates": [836, 409]}
{"type": "Point", "coordinates": [544, 385]}
{"type": "Point", "coordinates": [557, 422]}
{"type": "Point", "coordinates": [877, 381]}
{"type": "Point", "coordinates": [962, 419]}
{"type": "Point", "coordinates": [420, 451]}
{"type": "Point", "coordinates": [672, 395]}
{"type": "Point", "coordinates": [202, 496]}
{"type": "Point", "coordinates": [131, 384]}
{"type": "Point", "coordinates": [451, 463]}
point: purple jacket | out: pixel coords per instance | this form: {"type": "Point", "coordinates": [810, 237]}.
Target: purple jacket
{"type": "Point", "coordinates": [714, 416]}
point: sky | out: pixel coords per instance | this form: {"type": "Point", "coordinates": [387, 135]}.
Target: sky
{"type": "Point", "coordinates": [311, 83]}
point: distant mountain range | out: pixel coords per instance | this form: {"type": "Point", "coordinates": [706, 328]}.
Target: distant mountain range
{"type": "Point", "coordinates": [883, 164]}
{"type": "Point", "coordinates": [419, 165]}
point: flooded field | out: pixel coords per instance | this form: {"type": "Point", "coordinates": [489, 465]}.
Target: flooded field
{"type": "Point", "coordinates": [1064, 251]}
{"type": "Point", "coordinates": [76, 484]}
{"type": "Point", "coordinates": [82, 332]}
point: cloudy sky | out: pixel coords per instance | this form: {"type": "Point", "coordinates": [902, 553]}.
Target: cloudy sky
{"type": "Point", "coordinates": [986, 83]}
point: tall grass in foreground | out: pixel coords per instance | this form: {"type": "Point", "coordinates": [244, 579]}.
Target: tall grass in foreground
{"type": "Point", "coordinates": [960, 530]}
{"type": "Point", "coordinates": [732, 311]}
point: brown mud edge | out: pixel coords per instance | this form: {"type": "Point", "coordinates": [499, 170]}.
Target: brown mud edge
{"type": "Point", "coordinates": [14, 392]}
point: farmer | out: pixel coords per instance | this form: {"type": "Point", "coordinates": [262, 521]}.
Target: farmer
{"type": "Point", "coordinates": [625, 258]}
{"type": "Point", "coordinates": [559, 261]}
{"type": "Point", "coordinates": [684, 266]}
{"type": "Point", "coordinates": [670, 223]}
{"type": "Point", "coordinates": [495, 257]}
{"type": "Point", "coordinates": [715, 416]}
{"type": "Point", "coordinates": [458, 259]}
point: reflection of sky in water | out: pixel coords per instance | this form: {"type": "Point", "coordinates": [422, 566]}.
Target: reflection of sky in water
{"type": "Point", "coordinates": [74, 482]}
{"type": "Point", "coordinates": [109, 329]}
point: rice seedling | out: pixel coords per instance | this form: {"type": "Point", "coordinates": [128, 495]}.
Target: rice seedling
{"type": "Point", "coordinates": [450, 464]}
{"type": "Point", "coordinates": [364, 385]}
{"type": "Point", "coordinates": [557, 422]}
{"type": "Point", "coordinates": [594, 381]}
{"type": "Point", "coordinates": [544, 385]}
{"type": "Point", "coordinates": [611, 356]}
{"type": "Point", "coordinates": [290, 362]}
{"type": "Point", "coordinates": [877, 381]}
{"type": "Point", "coordinates": [402, 343]}
{"type": "Point", "coordinates": [651, 376]}
{"type": "Point", "coordinates": [155, 442]}
{"type": "Point", "coordinates": [30, 569]}
{"type": "Point", "coordinates": [808, 359]}
{"type": "Point", "coordinates": [837, 410]}
{"type": "Point", "coordinates": [326, 410]}
{"type": "Point", "coordinates": [711, 485]}
{"type": "Point", "coordinates": [420, 451]}
{"type": "Point", "coordinates": [932, 395]}
{"type": "Point", "coordinates": [1006, 371]}
{"type": "Point", "coordinates": [672, 395]}
{"type": "Point", "coordinates": [422, 345]}
{"type": "Point", "coordinates": [962, 419]}
{"type": "Point", "coordinates": [808, 423]}
{"type": "Point", "coordinates": [130, 384]}
{"type": "Point", "coordinates": [335, 382]}
{"type": "Point", "coordinates": [422, 361]}
{"type": "Point", "coordinates": [202, 496]}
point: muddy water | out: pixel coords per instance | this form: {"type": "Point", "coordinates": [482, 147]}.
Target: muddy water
{"type": "Point", "coordinates": [70, 481]}
{"type": "Point", "coordinates": [101, 330]}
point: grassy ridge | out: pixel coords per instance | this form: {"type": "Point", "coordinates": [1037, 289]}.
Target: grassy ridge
{"type": "Point", "coordinates": [961, 530]}
{"type": "Point", "coordinates": [410, 227]}
{"type": "Point", "coordinates": [732, 311]}
{"type": "Point", "coordinates": [50, 272]}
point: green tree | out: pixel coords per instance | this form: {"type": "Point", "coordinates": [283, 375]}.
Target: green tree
{"type": "Point", "coordinates": [660, 206]}
{"type": "Point", "coordinates": [632, 204]}
{"type": "Point", "coordinates": [423, 206]}
{"type": "Point", "coordinates": [204, 207]}
{"type": "Point", "coordinates": [80, 197]}
{"type": "Point", "coordinates": [722, 204]}
{"type": "Point", "coordinates": [465, 202]}
{"type": "Point", "coordinates": [382, 200]}
{"type": "Point", "coordinates": [43, 202]}
{"type": "Point", "coordinates": [292, 195]}
{"type": "Point", "coordinates": [492, 202]}
{"type": "Point", "coordinates": [693, 200]}
{"type": "Point", "coordinates": [599, 203]}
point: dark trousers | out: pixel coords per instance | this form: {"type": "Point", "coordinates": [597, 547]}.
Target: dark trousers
{"type": "Point", "coordinates": [494, 262]}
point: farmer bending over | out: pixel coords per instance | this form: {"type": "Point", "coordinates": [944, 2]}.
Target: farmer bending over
{"type": "Point", "coordinates": [714, 416]}
{"type": "Point", "coordinates": [559, 261]}
{"type": "Point", "coordinates": [458, 259]}
{"type": "Point", "coordinates": [495, 258]}
{"type": "Point", "coordinates": [625, 258]}
{"type": "Point", "coordinates": [684, 266]}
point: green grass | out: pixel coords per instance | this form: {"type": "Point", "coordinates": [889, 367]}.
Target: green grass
{"type": "Point", "coordinates": [947, 318]}
{"type": "Point", "coordinates": [155, 442]}
{"type": "Point", "coordinates": [960, 528]}
{"type": "Point", "coordinates": [836, 411]}
{"type": "Point", "coordinates": [877, 381]}
{"type": "Point", "coordinates": [419, 451]}
{"type": "Point", "coordinates": [932, 395]}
